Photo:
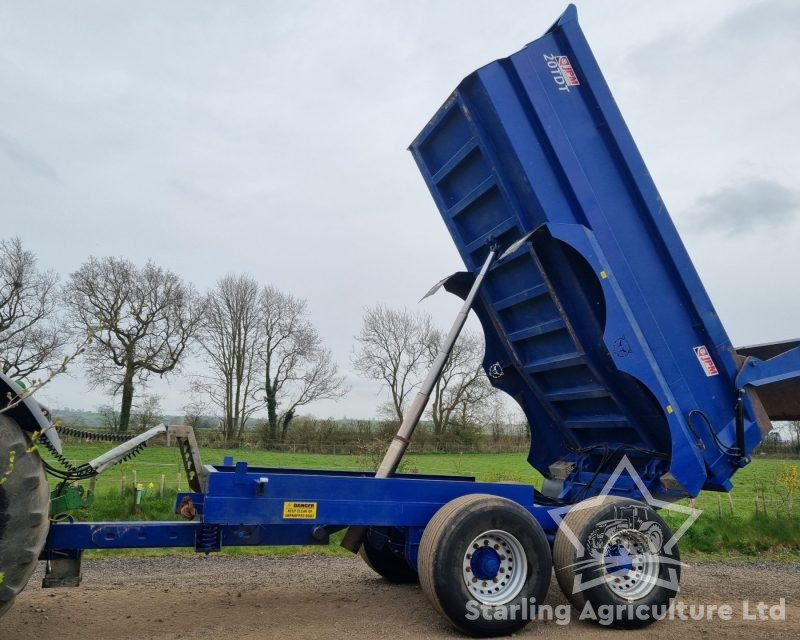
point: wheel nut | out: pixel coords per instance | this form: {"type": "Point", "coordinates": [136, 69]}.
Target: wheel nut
{"type": "Point", "coordinates": [468, 569]}
{"type": "Point", "coordinates": [474, 579]}
{"type": "Point", "coordinates": [502, 569]}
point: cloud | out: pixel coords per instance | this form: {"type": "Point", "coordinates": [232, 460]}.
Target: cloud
{"type": "Point", "coordinates": [26, 157]}
{"type": "Point", "coordinates": [757, 203]}
{"type": "Point", "coordinates": [762, 20]}
{"type": "Point", "coordinates": [270, 138]}
{"type": "Point", "coordinates": [193, 193]}
{"type": "Point", "coordinates": [758, 25]}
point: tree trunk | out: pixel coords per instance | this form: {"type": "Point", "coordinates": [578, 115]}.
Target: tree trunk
{"type": "Point", "coordinates": [287, 418]}
{"type": "Point", "coordinates": [272, 414]}
{"type": "Point", "coordinates": [127, 398]}
{"type": "Point", "coordinates": [436, 418]}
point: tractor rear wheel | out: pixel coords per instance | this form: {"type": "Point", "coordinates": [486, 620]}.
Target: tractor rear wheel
{"type": "Point", "coordinates": [24, 510]}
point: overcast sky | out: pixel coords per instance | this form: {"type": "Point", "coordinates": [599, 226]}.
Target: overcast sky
{"type": "Point", "coordinates": [271, 138]}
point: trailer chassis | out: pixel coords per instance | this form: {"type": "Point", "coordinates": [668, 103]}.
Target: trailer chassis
{"type": "Point", "coordinates": [250, 506]}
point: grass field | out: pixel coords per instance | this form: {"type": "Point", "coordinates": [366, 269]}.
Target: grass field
{"type": "Point", "coordinates": [755, 519]}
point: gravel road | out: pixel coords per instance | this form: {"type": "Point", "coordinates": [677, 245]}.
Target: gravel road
{"type": "Point", "coordinates": [254, 598]}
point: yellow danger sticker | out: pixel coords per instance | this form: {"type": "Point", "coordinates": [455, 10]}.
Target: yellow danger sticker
{"type": "Point", "coordinates": [299, 510]}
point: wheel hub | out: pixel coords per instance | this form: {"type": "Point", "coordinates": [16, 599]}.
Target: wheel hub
{"type": "Point", "coordinates": [630, 566]}
{"type": "Point", "coordinates": [494, 567]}
{"type": "Point", "coordinates": [485, 563]}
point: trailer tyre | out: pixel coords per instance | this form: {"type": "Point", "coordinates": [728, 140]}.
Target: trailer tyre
{"type": "Point", "coordinates": [24, 510]}
{"type": "Point", "coordinates": [383, 560]}
{"type": "Point", "coordinates": [624, 571]}
{"type": "Point", "coordinates": [482, 559]}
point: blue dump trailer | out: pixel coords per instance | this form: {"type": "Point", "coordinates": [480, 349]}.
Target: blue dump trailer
{"type": "Point", "coordinates": [599, 326]}
{"type": "Point", "coordinates": [596, 323]}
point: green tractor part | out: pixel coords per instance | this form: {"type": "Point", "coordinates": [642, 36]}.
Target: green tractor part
{"type": "Point", "coordinates": [66, 498]}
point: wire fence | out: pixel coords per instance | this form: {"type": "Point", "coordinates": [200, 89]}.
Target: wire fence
{"type": "Point", "coordinates": [729, 505]}
{"type": "Point", "coordinates": [348, 444]}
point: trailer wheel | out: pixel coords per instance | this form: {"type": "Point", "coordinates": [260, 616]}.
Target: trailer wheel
{"type": "Point", "coordinates": [623, 561]}
{"type": "Point", "coordinates": [383, 560]}
{"type": "Point", "coordinates": [483, 562]}
{"type": "Point", "coordinates": [24, 511]}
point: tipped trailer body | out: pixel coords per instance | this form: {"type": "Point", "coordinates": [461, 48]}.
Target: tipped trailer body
{"type": "Point", "coordinates": [597, 324]}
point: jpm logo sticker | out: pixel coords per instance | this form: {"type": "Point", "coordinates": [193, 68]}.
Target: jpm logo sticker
{"type": "Point", "coordinates": [706, 361]}
{"type": "Point", "coordinates": [561, 70]}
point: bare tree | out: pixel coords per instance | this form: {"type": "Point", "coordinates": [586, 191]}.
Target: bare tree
{"type": "Point", "coordinates": [31, 341]}
{"type": "Point", "coordinates": [298, 369]}
{"type": "Point", "coordinates": [142, 319]}
{"type": "Point", "coordinates": [109, 414]}
{"type": "Point", "coordinates": [793, 428]}
{"type": "Point", "coordinates": [147, 412]}
{"type": "Point", "coordinates": [393, 346]}
{"type": "Point", "coordinates": [231, 336]}
{"type": "Point", "coordinates": [194, 411]}
{"type": "Point", "coordinates": [471, 410]}
{"type": "Point", "coordinates": [462, 388]}
{"type": "Point", "coordinates": [494, 418]}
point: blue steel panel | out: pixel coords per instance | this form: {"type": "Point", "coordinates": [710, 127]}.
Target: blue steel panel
{"type": "Point", "coordinates": [778, 368]}
{"type": "Point", "coordinates": [118, 535]}
{"type": "Point", "coordinates": [597, 323]}
{"type": "Point", "coordinates": [352, 499]}
{"type": "Point", "coordinates": [147, 535]}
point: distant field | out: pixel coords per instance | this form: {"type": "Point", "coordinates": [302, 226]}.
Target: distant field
{"type": "Point", "coordinates": [729, 526]}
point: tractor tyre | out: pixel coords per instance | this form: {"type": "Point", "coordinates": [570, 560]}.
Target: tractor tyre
{"type": "Point", "coordinates": [24, 510]}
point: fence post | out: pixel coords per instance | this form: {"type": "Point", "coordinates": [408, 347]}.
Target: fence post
{"type": "Point", "coordinates": [135, 479]}
{"type": "Point", "coordinates": [123, 483]}
{"type": "Point", "coordinates": [178, 481]}
{"type": "Point", "coordinates": [161, 485]}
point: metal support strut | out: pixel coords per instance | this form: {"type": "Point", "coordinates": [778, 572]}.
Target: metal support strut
{"type": "Point", "coordinates": [355, 535]}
